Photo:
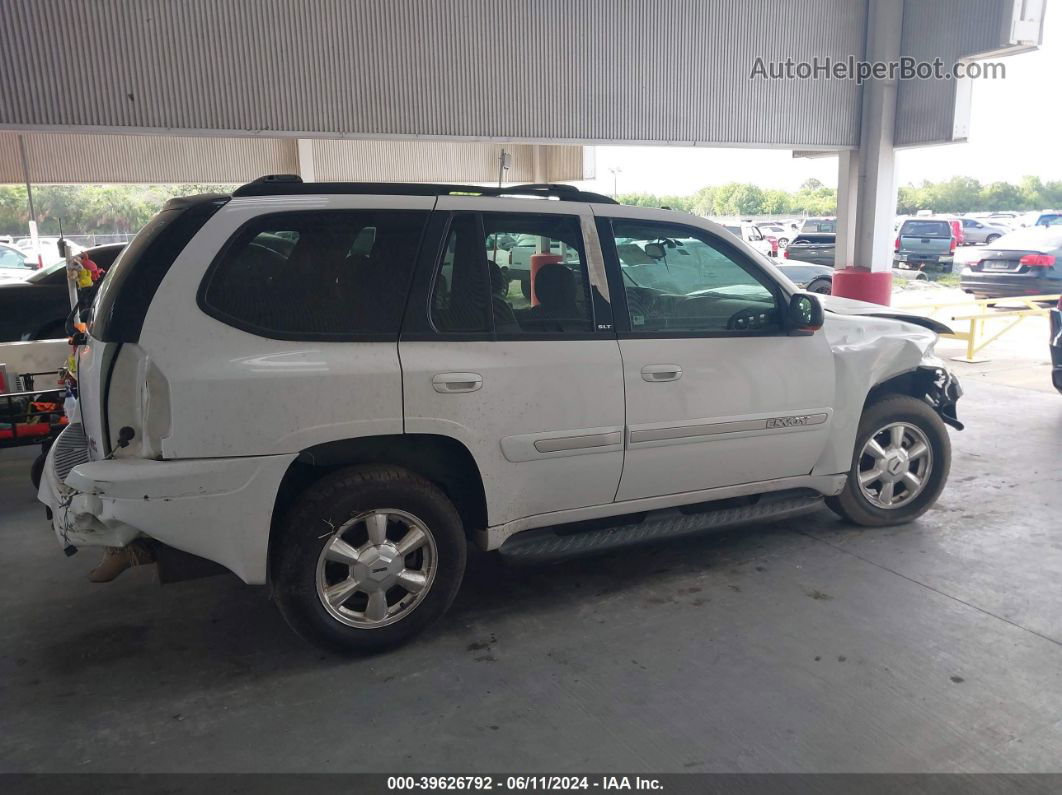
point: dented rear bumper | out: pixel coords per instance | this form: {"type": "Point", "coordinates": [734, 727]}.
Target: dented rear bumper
{"type": "Point", "coordinates": [219, 508]}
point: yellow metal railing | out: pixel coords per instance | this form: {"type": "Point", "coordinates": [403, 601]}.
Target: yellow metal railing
{"type": "Point", "coordinates": [976, 336]}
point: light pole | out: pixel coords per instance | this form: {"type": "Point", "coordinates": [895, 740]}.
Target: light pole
{"type": "Point", "coordinates": [616, 171]}
{"type": "Point", "coordinates": [29, 198]}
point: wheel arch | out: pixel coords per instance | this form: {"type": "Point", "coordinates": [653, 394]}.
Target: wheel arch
{"type": "Point", "coordinates": [935, 385]}
{"type": "Point", "coordinates": [443, 460]}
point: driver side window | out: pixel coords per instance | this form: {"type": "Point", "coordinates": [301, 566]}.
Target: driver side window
{"type": "Point", "coordinates": [679, 279]}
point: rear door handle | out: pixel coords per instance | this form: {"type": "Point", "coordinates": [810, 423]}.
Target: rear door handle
{"type": "Point", "coordinates": [654, 373]}
{"type": "Point", "coordinates": [448, 383]}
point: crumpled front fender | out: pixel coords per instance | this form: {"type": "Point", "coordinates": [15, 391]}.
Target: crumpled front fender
{"type": "Point", "coordinates": [869, 350]}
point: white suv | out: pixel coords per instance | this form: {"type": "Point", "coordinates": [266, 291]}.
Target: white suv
{"type": "Point", "coordinates": [331, 388]}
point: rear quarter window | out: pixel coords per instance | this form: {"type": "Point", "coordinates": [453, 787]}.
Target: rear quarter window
{"type": "Point", "coordinates": [340, 274]}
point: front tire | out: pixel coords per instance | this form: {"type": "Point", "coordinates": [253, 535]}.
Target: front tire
{"type": "Point", "coordinates": [367, 558]}
{"type": "Point", "coordinates": [821, 287]}
{"type": "Point", "coordinates": [901, 463]}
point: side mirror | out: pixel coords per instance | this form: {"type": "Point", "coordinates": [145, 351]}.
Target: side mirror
{"type": "Point", "coordinates": [804, 315]}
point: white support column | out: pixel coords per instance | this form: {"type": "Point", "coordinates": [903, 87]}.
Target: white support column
{"type": "Point", "coordinates": [847, 200]}
{"type": "Point", "coordinates": [876, 203]}
{"type": "Point", "coordinates": [869, 275]}
{"type": "Point", "coordinates": [539, 174]}
{"type": "Point", "coordinates": [304, 155]}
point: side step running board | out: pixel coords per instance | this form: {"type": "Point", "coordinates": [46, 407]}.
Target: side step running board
{"type": "Point", "coordinates": [552, 543]}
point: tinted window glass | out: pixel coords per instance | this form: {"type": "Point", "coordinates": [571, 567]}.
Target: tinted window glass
{"type": "Point", "coordinates": [517, 274]}
{"type": "Point", "coordinates": [129, 287]}
{"type": "Point", "coordinates": [314, 274]}
{"type": "Point", "coordinates": [459, 298]}
{"type": "Point", "coordinates": [679, 279]}
{"type": "Point", "coordinates": [539, 284]}
{"type": "Point", "coordinates": [926, 229]}
{"type": "Point", "coordinates": [819, 225]}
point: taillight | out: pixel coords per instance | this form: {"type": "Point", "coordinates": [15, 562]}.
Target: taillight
{"type": "Point", "coordinates": [897, 245]}
{"type": "Point", "coordinates": [785, 254]}
{"type": "Point", "coordinates": [1038, 260]}
{"type": "Point", "coordinates": [953, 243]}
{"type": "Point", "coordinates": [138, 396]}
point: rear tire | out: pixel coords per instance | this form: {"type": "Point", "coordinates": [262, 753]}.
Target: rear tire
{"type": "Point", "coordinates": [367, 558]}
{"type": "Point", "coordinates": [904, 465]}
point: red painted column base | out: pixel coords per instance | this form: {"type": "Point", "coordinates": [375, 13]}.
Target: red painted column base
{"type": "Point", "coordinates": [863, 285]}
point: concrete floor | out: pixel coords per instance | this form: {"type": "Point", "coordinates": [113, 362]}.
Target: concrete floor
{"type": "Point", "coordinates": [803, 646]}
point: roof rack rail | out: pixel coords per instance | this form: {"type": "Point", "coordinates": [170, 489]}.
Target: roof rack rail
{"type": "Point", "coordinates": [292, 184]}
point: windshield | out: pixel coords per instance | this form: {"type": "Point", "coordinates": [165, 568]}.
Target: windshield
{"type": "Point", "coordinates": [12, 258]}
{"type": "Point", "coordinates": [682, 266]}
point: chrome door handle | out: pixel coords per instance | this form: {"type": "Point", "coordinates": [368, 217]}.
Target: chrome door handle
{"type": "Point", "coordinates": [654, 373]}
{"type": "Point", "coordinates": [448, 383]}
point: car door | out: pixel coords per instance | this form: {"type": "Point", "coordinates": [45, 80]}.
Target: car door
{"type": "Point", "coordinates": [531, 386]}
{"type": "Point", "coordinates": [717, 394]}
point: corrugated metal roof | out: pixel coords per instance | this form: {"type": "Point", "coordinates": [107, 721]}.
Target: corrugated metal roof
{"type": "Point", "coordinates": [144, 158]}
{"type": "Point", "coordinates": [663, 71]}
{"type": "Point", "coordinates": [926, 109]}
{"type": "Point", "coordinates": [87, 157]}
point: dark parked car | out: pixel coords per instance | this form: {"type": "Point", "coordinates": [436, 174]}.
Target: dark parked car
{"type": "Point", "coordinates": [37, 308]}
{"type": "Point", "coordinates": [816, 247]}
{"type": "Point", "coordinates": [1056, 345]}
{"type": "Point", "coordinates": [813, 278]}
{"type": "Point", "coordinates": [1025, 262]}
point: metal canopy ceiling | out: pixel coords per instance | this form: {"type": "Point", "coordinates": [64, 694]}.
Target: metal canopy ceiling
{"type": "Point", "coordinates": [84, 157]}
{"type": "Point", "coordinates": [549, 71]}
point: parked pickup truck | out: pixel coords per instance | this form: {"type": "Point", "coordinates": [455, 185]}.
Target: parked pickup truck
{"type": "Point", "coordinates": [925, 243]}
{"type": "Point", "coordinates": [817, 247]}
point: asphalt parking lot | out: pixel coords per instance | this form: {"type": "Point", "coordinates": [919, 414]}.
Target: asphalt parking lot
{"type": "Point", "coordinates": [807, 645]}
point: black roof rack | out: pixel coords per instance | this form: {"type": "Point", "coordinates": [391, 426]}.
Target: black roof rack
{"type": "Point", "coordinates": [292, 184]}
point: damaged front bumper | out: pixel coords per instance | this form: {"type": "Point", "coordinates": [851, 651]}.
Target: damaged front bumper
{"type": "Point", "coordinates": [219, 508]}
{"type": "Point", "coordinates": [942, 392]}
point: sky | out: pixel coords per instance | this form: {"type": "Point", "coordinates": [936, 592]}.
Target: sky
{"type": "Point", "coordinates": [1014, 131]}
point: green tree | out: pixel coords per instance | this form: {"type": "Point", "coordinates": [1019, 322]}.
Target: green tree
{"type": "Point", "coordinates": [1002, 196]}
{"type": "Point", "coordinates": [1033, 193]}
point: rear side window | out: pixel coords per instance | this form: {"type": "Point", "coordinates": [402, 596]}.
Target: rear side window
{"type": "Point", "coordinates": [340, 274]}
{"type": "Point", "coordinates": [517, 275]}
{"type": "Point", "coordinates": [926, 229]}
